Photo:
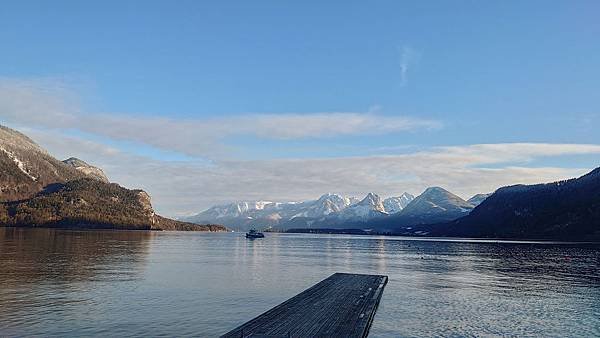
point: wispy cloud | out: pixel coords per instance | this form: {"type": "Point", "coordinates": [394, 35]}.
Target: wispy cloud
{"type": "Point", "coordinates": [37, 104]}
{"type": "Point", "coordinates": [408, 58]}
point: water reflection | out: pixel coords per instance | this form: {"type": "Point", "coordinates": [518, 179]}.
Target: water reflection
{"type": "Point", "coordinates": [99, 283]}
{"type": "Point", "coordinates": [46, 272]}
{"type": "Point", "coordinates": [32, 255]}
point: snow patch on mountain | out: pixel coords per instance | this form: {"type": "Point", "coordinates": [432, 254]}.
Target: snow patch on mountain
{"type": "Point", "coordinates": [19, 163]}
{"type": "Point", "coordinates": [477, 199]}
{"type": "Point", "coordinates": [326, 204]}
{"type": "Point", "coordinates": [370, 206]}
{"type": "Point", "coordinates": [394, 205]}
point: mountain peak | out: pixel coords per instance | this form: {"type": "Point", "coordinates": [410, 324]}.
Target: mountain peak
{"type": "Point", "coordinates": [594, 173]}
{"type": "Point", "coordinates": [478, 199]}
{"type": "Point", "coordinates": [370, 206]}
{"type": "Point", "coordinates": [328, 196]}
{"type": "Point", "coordinates": [10, 138]}
{"type": "Point", "coordinates": [27, 167]}
{"type": "Point", "coordinates": [371, 199]}
{"type": "Point", "coordinates": [87, 169]}
{"type": "Point", "coordinates": [437, 200]}
{"type": "Point", "coordinates": [74, 161]}
{"type": "Point", "coordinates": [435, 190]}
{"type": "Point", "coordinates": [394, 205]}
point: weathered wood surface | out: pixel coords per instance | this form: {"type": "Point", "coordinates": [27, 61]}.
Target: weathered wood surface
{"type": "Point", "coordinates": [342, 305]}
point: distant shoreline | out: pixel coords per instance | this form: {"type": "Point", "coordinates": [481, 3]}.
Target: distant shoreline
{"type": "Point", "coordinates": [425, 237]}
{"type": "Point", "coordinates": [353, 232]}
{"type": "Point", "coordinates": [103, 228]}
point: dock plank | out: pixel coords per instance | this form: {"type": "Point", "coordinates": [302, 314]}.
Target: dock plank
{"type": "Point", "coordinates": [342, 305]}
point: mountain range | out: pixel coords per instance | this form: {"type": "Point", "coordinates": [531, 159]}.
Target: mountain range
{"type": "Point", "coordinates": [564, 210]}
{"type": "Point", "coordinates": [37, 190]}
{"type": "Point", "coordinates": [333, 211]}
{"type": "Point", "coordinates": [434, 205]}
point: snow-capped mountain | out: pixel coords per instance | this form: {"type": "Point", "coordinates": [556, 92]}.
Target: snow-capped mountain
{"type": "Point", "coordinates": [242, 215]}
{"type": "Point", "coordinates": [237, 209]}
{"type": "Point", "coordinates": [477, 199]}
{"type": "Point", "coordinates": [437, 201]}
{"type": "Point", "coordinates": [394, 205]}
{"type": "Point", "coordinates": [369, 207]}
{"type": "Point", "coordinates": [434, 205]}
{"type": "Point", "coordinates": [326, 204]}
{"type": "Point", "coordinates": [327, 209]}
{"type": "Point", "coordinates": [333, 211]}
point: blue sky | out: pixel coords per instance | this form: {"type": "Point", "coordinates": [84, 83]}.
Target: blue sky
{"type": "Point", "coordinates": [411, 77]}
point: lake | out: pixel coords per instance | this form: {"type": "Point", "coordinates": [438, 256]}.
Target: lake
{"type": "Point", "coordinates": [108, 283]}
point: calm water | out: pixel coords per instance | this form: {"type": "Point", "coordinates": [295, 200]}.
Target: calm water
{"type": "Point", "coordinates": [96, 283]}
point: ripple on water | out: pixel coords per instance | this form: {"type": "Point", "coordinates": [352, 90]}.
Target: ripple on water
{"type": "Point", "coordinates": [104, 283]}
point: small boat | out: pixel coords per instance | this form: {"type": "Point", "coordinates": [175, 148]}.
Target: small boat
{"type": "Point", "coordinates": [254, 234]}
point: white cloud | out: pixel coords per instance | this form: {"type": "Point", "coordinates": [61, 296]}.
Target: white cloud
{"type": "Point", "coordinates": [180, 188]}
{"type": "Point", "coordinates": [31, 103]}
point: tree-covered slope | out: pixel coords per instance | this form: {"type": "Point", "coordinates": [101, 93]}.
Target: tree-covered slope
{"type": "Point", "coordinates": [565, 210]}
{"type": "Point", "coordinates": [37, 190]}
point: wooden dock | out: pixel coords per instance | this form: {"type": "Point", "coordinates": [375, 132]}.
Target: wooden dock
{"type": "Point", "coordinates": [343, 305]}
